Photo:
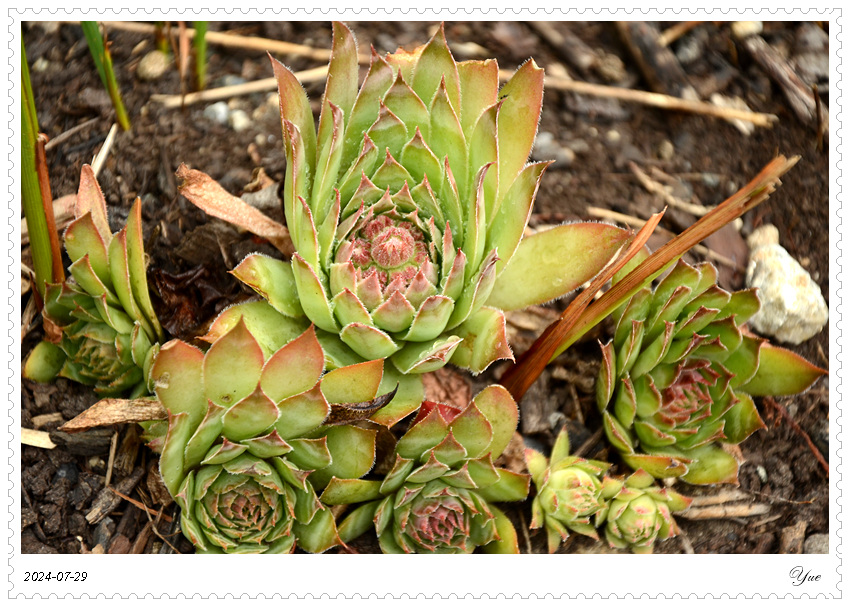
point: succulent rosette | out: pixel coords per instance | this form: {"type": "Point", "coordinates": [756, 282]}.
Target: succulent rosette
{"type": "Point", "coordinates": [572, 492]}
{"type": "Point", "coordinates": [640, 513]}
{"type": "Point", "coordinates": [247, 440]}
{"type": "Point", "coordinates": [679, 376]}
{"type": "Point", "coordinates": [438, 497]}
{"type": "Point", "coordinates": [106, 328]}
{"type": "Point", "coordinates": [407, 204]}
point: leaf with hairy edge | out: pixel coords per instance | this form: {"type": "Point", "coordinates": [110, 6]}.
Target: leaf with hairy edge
{"type": "Point", "coordinates": [273, 279]}
{"type": "Point", "coordinates": [781, 373]}
{"type": "Point", "coordinates": [573, 253]}
{"type": "Point", "coordinates": [507, 542]}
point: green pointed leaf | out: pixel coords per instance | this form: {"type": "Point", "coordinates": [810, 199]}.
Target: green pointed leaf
{"type": "Point", "coordinates": [358, 522]}
{"type": "Point", "coordinates": [407, 399]}
{"type": "Point", "coordinates": [507, 542]}
{"type": "Point", "coordinates": [552, 263]}
{"type": "Point", "coordinates": [741, 420]}
{"type": "Point", "coordinates": [781, 373]}
{"type": "Point", "coordinates": [301, 413]}
{"type": "Point", "coordinates": [250, 417]}
{"type": "Point", "coordinates": [522, 99]}
{"type": "Point", "coordinates": [426, 357]}
{"type": "Point", "coordinates": [177, 375]}
{"type": "Point", "coordinates": [472, 430]}
{"type": "Point", "coordinates": [137, 268]}
{"type": "Point", "coordinates": [293, 369]}
{"type": "Point", "coordinates": [350, 491]}
{"type": "Point", "coordinates": [353, 384]}
{"type": "Point", "coordinates": [659, 466]}
{"type": "Point", "coordinates": [341, 88]}
{"type": "Point", "coordinates": [319, 535]}
{"type": "Point", "coordinates": [479, 90]}
{"type": "Point", "coordinates": [273, 280]}
{"type": "Point", "coordinates": [434, 65]}
{"type": "Point", "coordinates": [352, 452]}
{"type": "Point", "coordinates": [309, 453]}
{"type": "Point", "coordinates": [171, 459]}
{"type": "Point", "coordinates": [312, 295]}
{"type": "Point", "coordinates": [500, 409]}
{"type": "Point", "coordinates": [270, 328]}
{"type": "Point", "coordinates": [511, 487]}
{"type": "Point", "coordinates": [295, 108]}
{"type": "Point", "coordinates": [232, 367]}
{"type": "Point", "coordinates": [423, 436]}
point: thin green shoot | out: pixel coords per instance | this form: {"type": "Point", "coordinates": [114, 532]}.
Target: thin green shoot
{"type": "Point", "coordinates": [99, 48]}
{"type": "Point", "coordinates": [38, 207]}
{"type": "Point", "coordinates": [199, 42]}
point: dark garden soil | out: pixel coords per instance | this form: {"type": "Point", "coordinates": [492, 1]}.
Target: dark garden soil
{"type": "Point", "coordinates": [65, 508]}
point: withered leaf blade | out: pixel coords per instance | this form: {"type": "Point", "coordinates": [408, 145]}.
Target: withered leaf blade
{"type": "Point", "coordinates": [353, 412]}
{"type": "Point", "coordinates": [202, 191]}
{"type": "Point", "coordinates": [116, 411]}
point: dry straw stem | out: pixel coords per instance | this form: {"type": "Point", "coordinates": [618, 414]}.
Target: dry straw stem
{"type": "Point", "coordinates": [658, 100]}
{"type": "Point", "coordinates": [725, 511]}
{"type": "Point", "coordinates": [116, 411]}
{"type": "Point", "coordinates": [581, 315]}
{"type": "Point", "coordinates": [36, 438]}
{"type": "Point", "coordinates": [242, 42]}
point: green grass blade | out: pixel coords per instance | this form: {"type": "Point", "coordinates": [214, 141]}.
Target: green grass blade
{"type": "Point", "coordinates": [200, 44]}
{"type": "Point", "coordinates": [103, 62]}
{"type": "Point", "coordinates": [30, 189]}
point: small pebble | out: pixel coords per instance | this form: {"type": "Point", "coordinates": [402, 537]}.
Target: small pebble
{"type": "Point", "coordinates": [240, 120]}
{"type": "Point", "coordinates": [40, 65]}
{"type": "Point", "coordinates": [762, 473]}
{"type": "Point", "coordinates": [745, 29]}
{"type": "Point", "coordinates": [152, 66]}
{"type": "Point", "coordinates": [816, 543]}
{"type": "Point", "coordinates": [217, 112]}
{"type": "Point", "coordinates": [613, 137]}
{"type": "Point", "coordinates": [666, 150]}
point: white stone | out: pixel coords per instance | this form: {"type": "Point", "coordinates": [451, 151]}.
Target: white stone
{"type": "Point", "coordinates": [153, 65]}
{"type": "Point", "coordinates": [217, 112]}
{"type": "Point", "coordinates": [745, 29]}
{"type": "Point", "coordinates": [239, 120]}
{"type": "Point", "coordinates": [792, 306]}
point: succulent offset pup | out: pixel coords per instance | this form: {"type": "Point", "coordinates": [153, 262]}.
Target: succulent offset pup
{"type": "Point", "coordinates": [438, 496]}
{"type": "Point", "coordinates": [572, 492]}
{"type": "Point", "coordinates": [679, 376]}
{"type": "Point", "coordinates": [246, 444]}
{"type": "Point", "coordinates": [640, 513]}
{"type": "Point", "coordinates": [107, 331]}
{"type": "Point", "coordinates": [407, 206]}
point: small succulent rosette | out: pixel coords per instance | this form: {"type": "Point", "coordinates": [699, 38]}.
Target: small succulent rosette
{"type": "Point", "coordinates": [641, 513]}
{"type": "Point", "coordinates": [247, 440]}
{"type": "Point", "coordinates": [407, 204]}
{"type": "Point", "coordinates": [438, 497]}
{"type": "Point", "coordinates": [679, 376]}
{"type": "Point", "coordinates": [572, 492]}
{"type": "Point", "coordinates": [107, 330]}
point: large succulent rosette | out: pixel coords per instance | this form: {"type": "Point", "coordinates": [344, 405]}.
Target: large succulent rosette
{"type": "Point", "coordinates": [572, 492]}
{"type": "Point", "coordinates": [246, 445]}
{"type": "Point", "coordinates": [673, 381]}
{"type": "Point", "coordinates": [438, 497]}
{"type": "Point", "coordinates": [640, 513]}
{"type": "Point", "coordinates": [105, 324]}
{"type": "Point", "coordinates": [406, 207]}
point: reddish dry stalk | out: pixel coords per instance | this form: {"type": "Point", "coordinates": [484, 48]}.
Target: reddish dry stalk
{"type": "Point", "coordinates": [783, 413]}
{"type": "Point", "coordinates": [581, 314]}
{"type": "Point", "coordinates": [47, 202]}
